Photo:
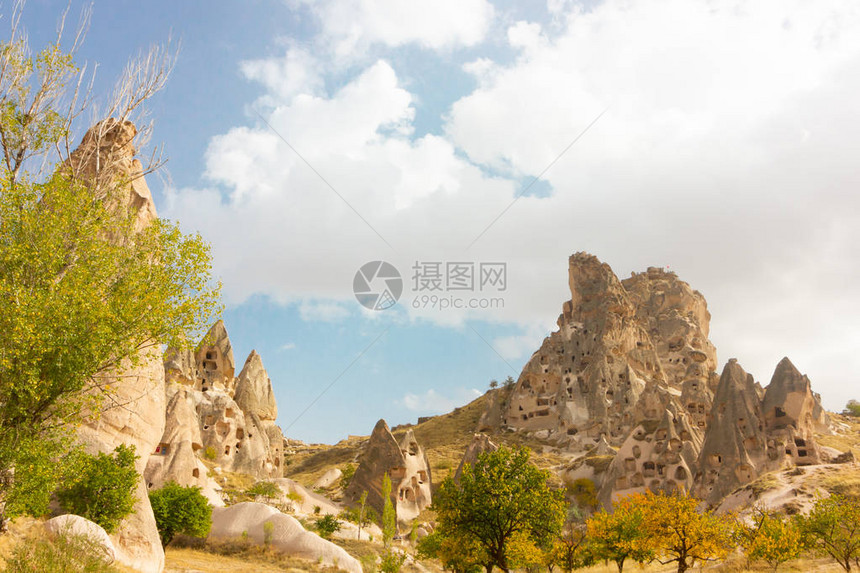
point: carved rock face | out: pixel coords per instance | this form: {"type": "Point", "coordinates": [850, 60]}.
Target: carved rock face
{"type": "Point", "coordinates": [407, 466]}
{"type": "Point", "coordinates": [631, 362]}
{"type": "Point", "coordinates": [617, 343]}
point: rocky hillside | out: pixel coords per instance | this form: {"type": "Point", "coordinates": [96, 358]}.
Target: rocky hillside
{"type": "Point", "coordinates": [626, 394]}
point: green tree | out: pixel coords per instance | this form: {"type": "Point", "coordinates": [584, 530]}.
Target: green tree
{"type": "Point", "coordinates": [679, 533]}
{"type": "Point", "coordinates": [503, 506]}
{"type": "Point", "coordinates": [389, 518]}
{"type": "Point", "coordinates": [457, 555]}
{"type": "Point", "coordinates": [852, 408]}
{"type": "Point", "coordinates": [571, 550]}
{"type": "Point", "coordinates": [771, 538]}
{"type": "Point", "coordinates": [346, 475]}
{"type": "Point", "coordinates": [103, 488]}
{"type": "Point", "coordinates": [86, 282]}
{"type": "Point", "coordinates": [180, 509]}
{"type": "Point", "coordinates": [494, 384]}
{"type": "Point", "coordinates": [620, 535]}
{"type": "Point", "coordinates": [327, 526]}
{"type": "Point", "coordinates": [264, 489]}
{"type": "Point", "coordinates": [833, 528]}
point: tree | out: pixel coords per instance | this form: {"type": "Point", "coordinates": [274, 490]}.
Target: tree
{"type": "Point", "coordinates": [678, 532]}
{"type": "Point", "coordinates": [459, 556]}
{"type": "Point", "coordinates": [86, 282]}
{"type": "Point", "coordinates": [509, 382]}
{"type": "Point", "coordinates": [572, 549]}
{"type": "Point", "coordinates": [833, 528]}
{"type": "Point", "coordinates": [389, 518]}
{"type": "Point", "coordinates": [771, 538]}
{"type": "Point", "coordinates": [180, 509]}
{"type": "Point", "coordinates": [327, 526]}
{"type": "Point", "coordinates": [103, 488]}
{"type": "Point", "coordinates": [346, 475]}
{"type": "Point", "coordinates": [502, 506]}
{"type": "Point", "coordinates": [620, 535]}
{"type": "Point", "coordinates": [852, 408]}
{"type": "Point", "coordinates": [494, 384]}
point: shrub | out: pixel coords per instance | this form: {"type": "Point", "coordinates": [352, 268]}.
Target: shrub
{"type": "Point", "coordinates": [265, 489]}
{"type": "Point", "coordinates": [327, 526]}
{"type": "Point", "coordinates": [62, 553]}
{"type": "Point", "coordinates": [852, 408]}
{"type": "Point", "coordinates": [268, 531]}
{"type": "Point", "coordinates": [392, 561]}
{"type": "Point", "coordinates": [347, 473]}
{"type": "Point", "coordinates": [103, 489]}
{"type": "Point", "coordinates": [180, 509]}
{"type": "Point", "coordinates": [210, 453]}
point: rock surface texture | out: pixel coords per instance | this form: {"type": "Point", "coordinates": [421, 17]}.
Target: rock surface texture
{"type": "Point", "coordinates": [214, 415]}
{"type": "Point", "coordinates": [407, 466]}
{"type": "Point", "coordinates": [631, 364]}
{"type": "Point", "coordinates": [287, 534]}
{"type": "Point", "coordinates": [134, 413]}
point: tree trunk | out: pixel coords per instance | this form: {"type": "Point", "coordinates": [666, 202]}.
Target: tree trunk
{"type": "Point", "coordinates": [682, 565]}
{"type": "Point", "coordinates": [620, 564]}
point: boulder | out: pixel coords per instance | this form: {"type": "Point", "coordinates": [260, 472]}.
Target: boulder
{"type": "Point", "coordinates": [80, 526]}
{"type": "Point", "coordinates": [287, 534]}
{"type": "Point", "coordinates": [328, 479]}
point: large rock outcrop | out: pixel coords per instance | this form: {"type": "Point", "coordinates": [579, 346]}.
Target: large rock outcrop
{"type": "Point", "coordinates": [407, 466]}
{"type": "Point", "coordinates": [133, 414]}
{"type": "Point", "coordinates": [228, 420]}
{"type": "Point", "coordinates": [631, 365]}
{"type": "Point", "coordinates": [616, 343]}
{"type": "Point", "coordinates": [750, 435]}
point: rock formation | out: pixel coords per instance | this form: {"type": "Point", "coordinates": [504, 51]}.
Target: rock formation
{"type": "Point", "coordinates": [619, 349]}
{"type": "Point", "coordinates": [480, 443]}
{"type": "Point", "coordinates": [134, 414]}
{"type": "Point", "coordinates": [287, 534]}
{"type": "Point", "coordinates": [407, 466]}
{"type": "Point", "coordinates": [215, 415]}
{"type": "Point", "coordinates": [631, 365]}
{"type": "Point", "coordinates": [750, 435]}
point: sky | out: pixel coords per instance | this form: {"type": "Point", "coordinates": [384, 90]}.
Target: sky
{"type": "Point", "coordinates": [474, 146]}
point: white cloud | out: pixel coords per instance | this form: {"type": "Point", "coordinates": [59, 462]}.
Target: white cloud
{"type": "Point", "coordinates": [726, 153]}
{"type": "Point", "coordinates": [432, 402]}
{"type": "Point", "coordinates": [312, 311]}
{"type": "Point", "coordinates": [354, 25]}
{"type": "Point", "coordinates": [288, 346]}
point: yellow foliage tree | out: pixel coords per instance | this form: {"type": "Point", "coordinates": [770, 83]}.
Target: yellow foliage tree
{"type": "Point", "coordinates": [771, 538]}
{"type": "Point", "coordinates": [620, 535]}
{"type": "Point", "coordinates": [679, 533]}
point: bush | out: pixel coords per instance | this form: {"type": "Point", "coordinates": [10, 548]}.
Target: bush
{"type": "Point", "coordinates": [210, 453]}
{"type": "Point", "coordinates": [327, 526]}
{"type": "Point", "coordinates": [852, 408]}
{"type": "Point", "coordinates": [180, 509]}
{"type": "Point", "coordinates": [392, 561]}
{"type": "Point", "coordinates": [61, 554]}
{"type": "Point", "coordinates": [265, 489]}
{"type": "Point", "coordinates": [103, 489]}
{"type": "Point", "coordinates": [346, 476]}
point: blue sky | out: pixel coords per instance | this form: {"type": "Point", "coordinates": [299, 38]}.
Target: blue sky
{"type": "Point", "coordinates": [726, 152]}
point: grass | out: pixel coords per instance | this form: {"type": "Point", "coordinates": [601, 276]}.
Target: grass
{"type": "Point", "coordinates": [27, 548]}
{"type": "Point", "coordinates": [233, 556]}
